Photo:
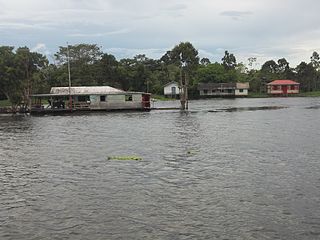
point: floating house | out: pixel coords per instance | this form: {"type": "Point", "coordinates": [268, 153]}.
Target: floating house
{"type": "Point", "coordinates": [94, 98]}
{"type": "Point", "coordinates": [171, 90]}
{"type": "Point", "coordinates": [223, 89]}
{"type": "Point", "coordinates": [283, 87]}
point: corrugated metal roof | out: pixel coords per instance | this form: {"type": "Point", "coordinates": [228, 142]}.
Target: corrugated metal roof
{"type": "Point", "coordinates": [283, 82]}
{"type": "Point", "coordinates": [85, 90]}
{"type": "Point", "coordinates": [209, 86]}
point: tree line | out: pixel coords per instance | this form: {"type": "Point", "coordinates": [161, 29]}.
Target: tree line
{"type": "Point", "coordinates": [23, 72]}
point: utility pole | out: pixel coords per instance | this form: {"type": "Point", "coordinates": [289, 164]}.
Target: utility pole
{"type": "Point", "coordinates": [69, 73]}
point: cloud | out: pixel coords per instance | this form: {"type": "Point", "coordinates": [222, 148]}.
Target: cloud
{"type": "Point", "coordinates": [116, 32]}
{"type": "Point", "coordinates": [131, 52]}
{"type": "Point", "coordinates": [236, 15]}
{"type": "Point", "coordinates": [21, 26]}
{"type": "Point", "coordinates": [41, 48]}
{"type": "Point", "coordinates": [270, 28]}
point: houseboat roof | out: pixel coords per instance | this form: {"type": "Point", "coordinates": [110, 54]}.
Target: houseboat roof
{"type": "Point", "coordinates": [84, 90]}
{"type": "Point", "coordinates": [283, 82]}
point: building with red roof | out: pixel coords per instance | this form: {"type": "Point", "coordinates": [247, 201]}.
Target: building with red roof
{"type": "Point", "coordinates": [283, 87]}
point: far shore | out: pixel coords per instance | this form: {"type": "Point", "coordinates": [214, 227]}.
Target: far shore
{"type": "Point", "coordinates": [6, 103]}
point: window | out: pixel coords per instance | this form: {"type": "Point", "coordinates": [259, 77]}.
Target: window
{"type": "Point", "coordinates": [229, 90]}
{"type": "Point", "coordinates": [83, 98]}
{"type": "Point", "coordinates": [128, 98]}
{"type": "Point", "coordinates": [102, 98]}
{"type": "Point", "coordinates": [205, 91]}
{"type": "Point", "coordinates": [241, 90]}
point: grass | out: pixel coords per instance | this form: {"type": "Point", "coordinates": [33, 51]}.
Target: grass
{"type": "Point", "coordinates": [301, 94]}
{"type": "Point", "coordinates": [309, 94]}
{"type": "Point", "coordinates": [5, 103]}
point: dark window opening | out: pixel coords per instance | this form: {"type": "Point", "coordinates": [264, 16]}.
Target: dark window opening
{"type": "Point", "coordinates": [83, 98]}
{"type": "Point", "coordinates": [128, 98]}
{"type": "Point", "coordinates": [241, 90]}
{"type": "Point", "coordinates": [205, 91]}
{"type": "Point", "coordinates": [102, 98]}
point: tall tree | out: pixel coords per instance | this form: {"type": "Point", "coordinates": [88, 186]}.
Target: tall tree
{"type": "Point", "coordinates": [29, 65]}
{"type": "Point", "coordinates": [186, 57]}
{"type": "Point", "coordinates": [205, 61]}
{"type": "Point", "coordinates": [20, 73]}
{"type": "Point", "coordinates": [315, 60]}
{"type": "Point", "coordinates": [306, 74]}
{"type": "Point", "coordinates": [83, 62]}
{"type": "Point", "coordinates": [9, 81]}
{"type": "Point", "coordinates": [229, 61]}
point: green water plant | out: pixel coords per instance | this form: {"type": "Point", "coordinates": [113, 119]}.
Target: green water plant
{"type": "Point", "coordinates": [128, 158]}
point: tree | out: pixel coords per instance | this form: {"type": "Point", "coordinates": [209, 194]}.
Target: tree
{"type": "Point", "coordinates": [283, 69]}
{"type": "Point", "coordinates": [252, 61]}
{"type": "Point", "coordinates": [84, 59]}
{"type": "Point", "coordinates": [229, 61]}
{"type": "Point", "coordinates": [205, 61]}
{"type": "Point", "coordinates": [315, 60]}
{"type": "Point", "coordinates": [186, 57]}
{"type": "Point", "coordinates": [79, 53]}
{"type": "Point", "coordinates": [20, 73]}
{"type": "Point", "coordinates": [306, 75]}
{"type": "Point", "coordinates": [212, 73]}
{"type": "Point", "coordinates": [29, 65]}
{"type": "Point", "coordinates": [108, 70]}
{"type": "Point", "coordinates": [9, 82]}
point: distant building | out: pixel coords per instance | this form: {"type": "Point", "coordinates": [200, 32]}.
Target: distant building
{"type": "Point", "coordinates": [224, 89]}
{"type": "Point", "coordinates": [283, 87]}
{"type": "Point", "coordinates": [171, 89]}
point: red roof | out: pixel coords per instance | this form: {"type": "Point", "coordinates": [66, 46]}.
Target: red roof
{"type": "Point", "coordinates": [283, 82]}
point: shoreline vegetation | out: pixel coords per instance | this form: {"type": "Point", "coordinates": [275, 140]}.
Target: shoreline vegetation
{"type": "Point", "coordinates": [7, 104]}
{"type": "Point", "coordinates": [24, 72]}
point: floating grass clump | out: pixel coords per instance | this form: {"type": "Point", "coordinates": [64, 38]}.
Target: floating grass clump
{"type": "Point", "coordinates": [128, 158]}
{"type": "Point", "coordinates": [192, 152]}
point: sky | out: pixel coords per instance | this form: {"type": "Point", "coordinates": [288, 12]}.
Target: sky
{"type": "Point", "coordinates": [264, 29]}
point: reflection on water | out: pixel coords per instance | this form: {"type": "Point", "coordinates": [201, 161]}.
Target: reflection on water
{"type": "Point", "coordinates": [239, 174]}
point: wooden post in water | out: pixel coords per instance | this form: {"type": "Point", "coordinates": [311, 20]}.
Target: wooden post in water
{"type": "Point", "coordinates": [69, 73]}
{"type": "Point", "coordinates": [184, 90]}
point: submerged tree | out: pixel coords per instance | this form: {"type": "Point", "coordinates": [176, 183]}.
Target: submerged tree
{"type": "Point", "coordinates": [186, 57]}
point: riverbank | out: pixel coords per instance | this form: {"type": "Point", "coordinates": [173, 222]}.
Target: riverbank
{"type": "Point", "coordinates": [302, 94]}
{"type": "Point", "coordinates": [6, 103]}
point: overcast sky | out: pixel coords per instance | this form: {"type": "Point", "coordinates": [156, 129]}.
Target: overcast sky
{"type": "Point", "coordinates": [265, 29]}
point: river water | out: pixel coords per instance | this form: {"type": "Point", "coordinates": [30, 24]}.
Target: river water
{"type": "Point", "coordinates": [226, 169]}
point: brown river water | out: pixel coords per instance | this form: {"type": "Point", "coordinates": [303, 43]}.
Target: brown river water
{"type": "Point", "coordinates": [226, 169]}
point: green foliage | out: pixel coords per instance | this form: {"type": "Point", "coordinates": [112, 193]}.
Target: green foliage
{"type": "Point", "coordinates": [229, 61]}
{"type": "Point", "coordinates": [23, 72]}
{"type": "Point", "coordinates": [5, 103]}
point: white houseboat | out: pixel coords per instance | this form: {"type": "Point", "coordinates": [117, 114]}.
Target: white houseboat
{"type": "Point", "coordinates": [93, 98]}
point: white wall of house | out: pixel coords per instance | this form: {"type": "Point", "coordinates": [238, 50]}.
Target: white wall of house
{"type": "Point", "coordinates": [241, 92]}
{"type": "Point", "coordinates": [171, 89]}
